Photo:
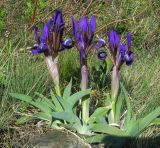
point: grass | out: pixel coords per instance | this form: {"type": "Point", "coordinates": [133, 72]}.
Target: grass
{"type": "Point", "coordinates": [143, 80]}
{"type": "Point", "coordinates": [23, 73]}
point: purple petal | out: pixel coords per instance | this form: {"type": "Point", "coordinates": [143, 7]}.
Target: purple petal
{"type": "Point", "coordinates": [75, 28]}
{"type": "Point", "coordinates": [129, 40]}
{"type": "Point", "coordinates": [84, 24]}
{"type": "Point", "coordinates": [67, 43]}
{"type": "Point", "coordinates": [45, 33]}
{"type": "Point", "coordinates": [84, 27]}
{"type": "Point", "coordinates": [50, 23]}
{"type": "Point", "coordinates": [93, 24]}
{"type": "Point", "coordinates": [37, 49]}
{"type": "Point", "coordinates": [102, 55]}
{"type": "Point", "coordinates": [81, 43]}
{"type": "Point", "coordinates": [58, 17]}
{"type": "Point", "coordinates": [122, 49]}
{"type": "Point", "coordinates": [129, 58]}
{"type": "Point", "coordinates": [114, 40]}
{"type": "Point", "coordinates": [99, 43]}
{"type": "Point", "coordinates": [92, 28]}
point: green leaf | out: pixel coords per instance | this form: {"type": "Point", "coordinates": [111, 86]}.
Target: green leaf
{"type": "Point", "coordinates": [65, 105]}
{"type": "Point", "coordinates": [104, 128]}
{"type": "Point", "coordinates": [77, 96]}
{"type": "Point", "coordinates": [43, 116]}
{"type": "Point", "coordinates": [67, 116]}
{"type": "Point", "coordinates": [109, 65]}
{"type": "Point", "coordinates": [39, 115]}
{"type": "Point", "coordinates": [129, 110]}
{"type": "Point", "coordinates": [67, 90]}
{"type": "Point", "coordinates": [57, 104]}
{"type": "Point", "coordinates": [48, 102]}
{"type": "Point", "coordinates": [118, 108]}
{"type": "Point", "coordinates": [108, 100]}
{"type": "Point", "coordinates": [99, 112]}
{"type": "Point", "coordinates": [96, 138]}
{"type": "Point", "coordinates": [39, 103]}
{"type": "Point", "coordinates": [24, 119]}
{"type": "Point", "coordinates": [138, 126]}
{"type": "Point", "coordinates": [155, 122]}
{"type": "Point", "coordinates": [42, 105]}
{"type": "Point", "coordinates": [82, 129]}
{"type": "Point", "coordinates": [21, 97]}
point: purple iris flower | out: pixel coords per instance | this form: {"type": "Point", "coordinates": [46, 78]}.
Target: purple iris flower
{"type": "Point", "coordinates": [83, 35]}
{"type": "Point", "coordinates": [41, 46]}
{"type": "Point", "coordinates": [114, 41]}
{"type": "Point", "coordinates": [125, 53]}
{"type": "Point", "coordinates": [120, 53]}
{"type": "Point", "coordinates": [51, 41]}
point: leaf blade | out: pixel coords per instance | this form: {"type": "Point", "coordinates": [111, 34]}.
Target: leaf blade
{"type": "Point", "coordinates": [67, 90]}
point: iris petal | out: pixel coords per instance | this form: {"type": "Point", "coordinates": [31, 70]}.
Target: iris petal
{"type": "Point", "coordinates": [37, 49]}
{"type": "Point", "coordinates": [99, 43]}
{"type": "Point", "coordinates": [122, 49]}
{"type": "Point", "coordinates": [102, 55]}
{"type": "Point", "coordinates": [114, 40]}
{"type": "Point", "coordinates": [81, 42]}
{"type": "Point", "coordinates": [75, 28]}
{"type": "Point", "coordinates": [58, 17]}
{"type": "Point", "coordinates": [93, 24]}
{"type": "Point", "coordinates": [50, 23]}
{"type": "Point", "coordinates": [68, 43]}
{"type": "Point", "coordinates": [92, 29]}
{"type": "Point", "coordinates": [129, 58]}
{"type": "Point", "coordinates": [44, 35]}
{"type": "Point", "coordinates": [84, 24]}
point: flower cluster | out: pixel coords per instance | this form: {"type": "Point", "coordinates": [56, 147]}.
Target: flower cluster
{"type": "Point", "coordinates": [50, 41]}
{"type": "Point", "coordinates": [120, 53]}
{"type": "Point", "coordinates": [83, 35]}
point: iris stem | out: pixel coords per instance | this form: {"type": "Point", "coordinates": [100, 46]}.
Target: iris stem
{"type": "Point", "coordinates": [52, 64]}
{"type": "Point", "coordinates": [115, 78]}
{"type": "Point", "coordinates": [115, 83]}
{"type": "Point", "coordinates": [84, 86]}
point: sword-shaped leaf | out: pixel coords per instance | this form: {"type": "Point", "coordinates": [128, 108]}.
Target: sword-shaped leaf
{"type": "Point", "coordinates": [67, 90]}
{"type": "Point", "coordinates": [67, 116]}
{"type": "Point", "coordinates": [77, 96]}
{"type": "Point", "coordinates": [104, 128]}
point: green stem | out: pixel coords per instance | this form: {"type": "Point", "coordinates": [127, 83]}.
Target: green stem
{"type": "Point", "coordinates": [112, 113]}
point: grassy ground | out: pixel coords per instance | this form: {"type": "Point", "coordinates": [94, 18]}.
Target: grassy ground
{"type": "Point", "coordinates": [23, 73]}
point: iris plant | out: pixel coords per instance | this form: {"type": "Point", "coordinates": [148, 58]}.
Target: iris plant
{"type": "Point", "coordinates": [83, 35]}
{"type": "Point", "coordinates": [50, 43]}
{"type": "Point", "coordinates": [120, 53]}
